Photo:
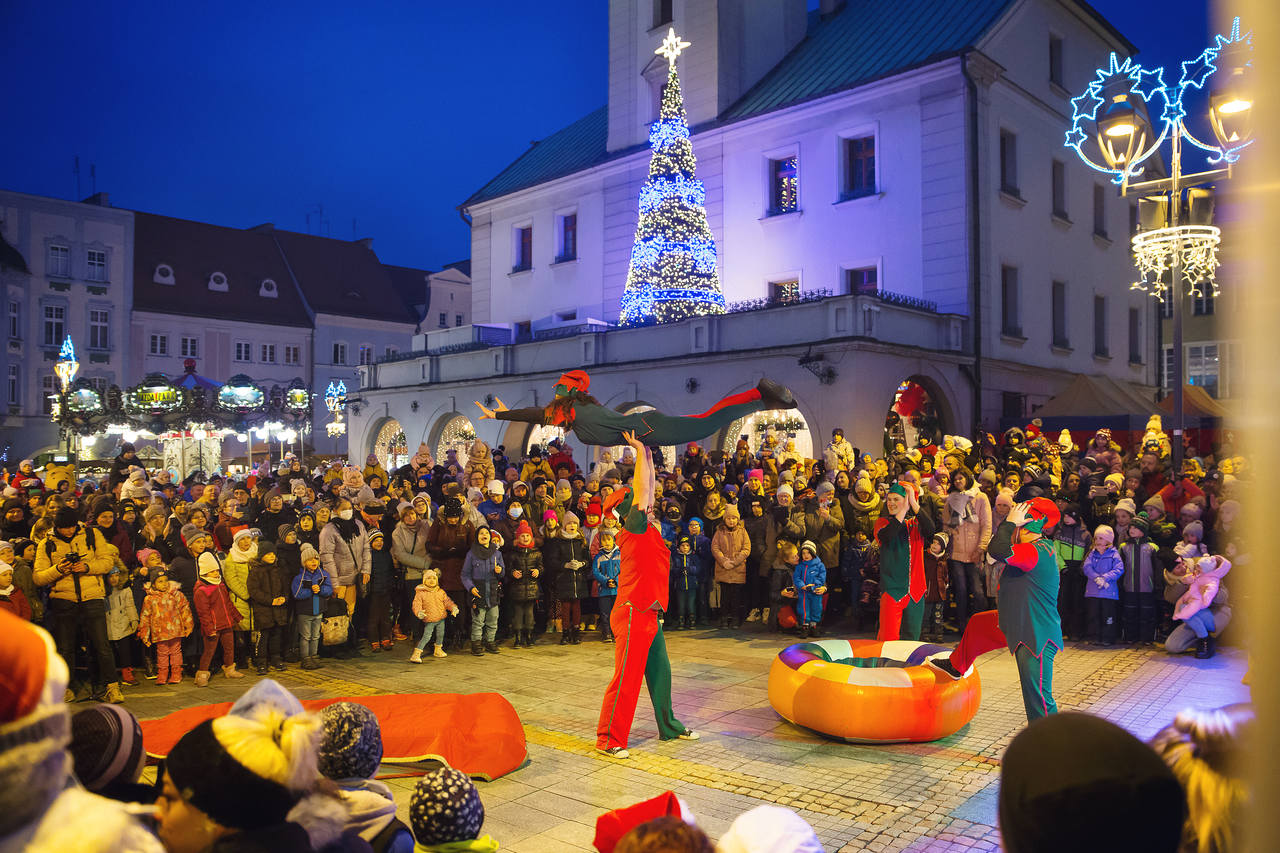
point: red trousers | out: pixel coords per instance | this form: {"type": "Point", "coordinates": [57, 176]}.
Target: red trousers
{"type": "Point", "coordinates": [981, 635]}
{"type": "Point", "coordinates": [900, 618]}
{"type": "Point", "coordinates": [636, 657]}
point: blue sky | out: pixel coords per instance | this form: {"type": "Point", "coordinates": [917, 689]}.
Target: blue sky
{"type": "Point", "coordinates": [387, 113]}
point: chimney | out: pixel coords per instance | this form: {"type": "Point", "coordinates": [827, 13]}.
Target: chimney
{"type": "Point", "coordinates": [100, 199]}
{"type": "Point", "coordinates": [264, 228]}
{"type": "Point", "coordinates": [367, 242]}
{"type": "Point", "coordinates": [826, 8]}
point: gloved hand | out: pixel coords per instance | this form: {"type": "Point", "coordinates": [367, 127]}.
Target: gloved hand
{"type": "Point", "coordinates": [1101, 582]}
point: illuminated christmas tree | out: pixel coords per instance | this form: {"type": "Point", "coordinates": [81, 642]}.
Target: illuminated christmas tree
{"type": "Point", "coordinates": [673, 260]}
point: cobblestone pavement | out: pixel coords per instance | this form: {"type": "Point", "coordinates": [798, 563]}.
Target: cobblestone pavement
{"type": "Point", "coordinates": [915, 797]}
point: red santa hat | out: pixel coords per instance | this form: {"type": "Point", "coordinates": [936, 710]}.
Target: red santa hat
{"type": "Point", "coordinates": [612, 826]}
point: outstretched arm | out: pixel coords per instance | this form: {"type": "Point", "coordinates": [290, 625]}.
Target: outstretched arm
{"type": "Point", "coordinates": [530, 414]}
{"type": "Point", "coordinates": [642, 479]}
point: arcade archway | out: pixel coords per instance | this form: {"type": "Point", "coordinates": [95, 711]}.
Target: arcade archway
{"type": "Point", "coordinates": [454, 433]}
{"type": "Point", "coordinates": [915, 415]}
{"type": "Point", "coordinates": [390, 445]}
{"type": "Point", "coordinates": [786, 425]}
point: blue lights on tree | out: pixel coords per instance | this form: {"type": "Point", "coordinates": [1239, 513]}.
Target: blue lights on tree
{"type": "Point", "coordinates": [673, 259]}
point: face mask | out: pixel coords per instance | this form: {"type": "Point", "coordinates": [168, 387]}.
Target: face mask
{"type": "Point", "coordinates": [345, 514]}
{"type": "Point", "coordinates": [515, 511]}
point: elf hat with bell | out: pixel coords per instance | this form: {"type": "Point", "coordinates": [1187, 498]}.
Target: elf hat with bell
{"type": "Point", "coordinates": [574, 380]}
{"type": "Point", "coordinates": [1042, 515]}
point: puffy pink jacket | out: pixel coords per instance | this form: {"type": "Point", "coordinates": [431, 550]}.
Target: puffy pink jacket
{"type": "Point", "coordinates": [969, 537]}
{"type": "Point", "coordinates": [433, 601]}
{"type": "Point", "coordinates": [1203, 588]}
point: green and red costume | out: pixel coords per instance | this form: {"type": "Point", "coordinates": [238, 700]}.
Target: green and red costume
{"type": "Point", "coordinates": [640, 651]}
{"type": "Point", "coordinates": [603, 426]}
{"type": "Point", "coordinates": [902, 581]}
{"type": "Point", "coordinates": [1026, 619]}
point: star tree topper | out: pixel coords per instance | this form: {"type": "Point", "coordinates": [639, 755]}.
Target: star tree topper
{"type": "Point", "coordinates": [671, 46]}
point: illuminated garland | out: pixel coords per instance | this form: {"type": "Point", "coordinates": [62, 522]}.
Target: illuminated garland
{"type": "Point", "coordinates": [673, 271]}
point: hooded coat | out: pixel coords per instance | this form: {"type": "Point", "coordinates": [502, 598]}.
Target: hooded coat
{"type": "Point", "coordinates": [165, 615]}
{"type": "Point", "coordinates": [265, 585]}
{"type": "Point", "coordinates": [730, 549]}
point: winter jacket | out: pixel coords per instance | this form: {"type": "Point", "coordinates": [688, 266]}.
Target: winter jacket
{"type": "Point", "coordinates": [1106, 565]}
{"type": "Point", "coordinates": [409, 548]}
{"type": "Point", "coordinates": [448, 545]}
{"type": "Point", "coordinates": [382, 571]}
{"type": "Point", "coordinates": [968, 516]}
{"type": "Point", "coordinates": [235, 574]}
{"type": "Point", "coordinates": [763, 533]}
{"type": "Point", "coordinates": [16, 603]}
{"type": "Point", "coordinates": [571, 583]}
{"type": "Point", "coordinates": [809, 573]}
{"type": "Point", "coordinates": [98, 554]}
{"type": "Point", "coordinates": [605, 568]}
{"type": "Point", "coordinates": [165, 615]}
{"type": "Point", "coordinates": [433, 603]}
{"type": "Point", "coordinates": [24, 579]}
{"type": "Point", "coordinates": [1202, 589]}
{"type": "Point", "coordinates": [730, 549]}
{"type": "Point", "coordinates": [214, 608]}
{"type": "Point", "coordinates": [373, 814]}
{"type": "Point", "coordinates": [122, 614]}
{"type": "Point", "coordinates": [306, 602]}
{"type": "Point", "coordinates": [525, 561]}
{"type": "Point", "coordinates": [480, 572]}
{"type": "Point", "coordinates": [825, 531]}
{"type": "Point", "coordinates": [706, 560]}
{"type": "Point", "coordinates": [937, 578]}
{"type": "Point", "coordinates": [685, 571]}
{"type": "Point", "coordinates": [1139, 565]}
{"type": "Point", "coordinates": [343, 559]}
{"type": "Point", "coordinates": [265, 585]}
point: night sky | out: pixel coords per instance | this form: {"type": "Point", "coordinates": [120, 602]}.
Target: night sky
{"type": "Point", "coordinates": [387, 113]}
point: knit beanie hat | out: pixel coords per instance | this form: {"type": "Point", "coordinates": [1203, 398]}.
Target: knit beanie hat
{"type": "Point", "coordinates": [106, 747]}
{"type": "Point", "coordinates": [308, 552]}
{"type": "Point", "coordinates": [65, 517]}
{"type": "Point", "coordinates": [154, 511]}
{"type": "Point", "coordinates": [282, 531]}
{"type": "Point", "coordinates": [1090, 799]}
{"type": "Point", "coordinates": [522, 528]}
{"type": "Point", "coordinates": [808, 545]}
{"type": "Point", "coordinates": [1141, 522]}
{"type": "Point", "coordinates": [445, 807]}
{"type": "Point", "coordinates": [265, 547]}
{"type": "Point", "coordinates": [208, 568]}
{"type": "Point", "coordinates": [732, 511]}
{"type": "Point", "coordinates": [563, 484]}
{"type": "Point", "coordinates": [785, 489]}
{"type": "Point", "coordinates": [1115, 479]}
{"type": "Point", "coordinates": [375, 534]}
{"type": "Point", "coordinates": [1154, 502]}
{"type": "Point", "coordinates": [548, 515]}
{"type": "Point", "coordinates": [267, 693]}
{"type": "Point", "coordinates": [247, 772]}
{"type": "Point", "coordinates": [1127, 505]}
{"type": "Point", "coordinates": [452, 507]}
{"type": "Point", "coordinates": [351, 746]}
{"type": "Point", "coordinates": [34, 723]}
{"type": "Point", "coordinates": [767, 828]}
{"type": "Point", "coordinates": [145, 554]}
{"type": "Point", "coordinates": [190, 533]}
{"type": "Point", "coordinates": [243, 533]}
{"type": "Point", "coordinates": [1196, 528]}
{"type": "Point", "coordinates": [570, 517]}
{"type": "Point", "coordinates": [826, 487]}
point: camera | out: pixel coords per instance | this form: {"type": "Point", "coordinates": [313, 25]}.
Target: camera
{"type": "Point", "coordinates": [72, 557]}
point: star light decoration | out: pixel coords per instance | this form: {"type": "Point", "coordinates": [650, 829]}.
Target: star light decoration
{"type": "Point", "coordinates": [335, 398]}
{"type": "Point", "coordinates": [1130, 78]}
{"type": "Point", "coordinates": [673, 272]}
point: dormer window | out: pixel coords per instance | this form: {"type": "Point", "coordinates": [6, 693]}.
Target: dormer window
{"type": "Point", "coordinates": [163, 274]}
{"type": "Point", "coordinates": [218, 282]}
{"type": "Point", "coordinates": [268, 289]}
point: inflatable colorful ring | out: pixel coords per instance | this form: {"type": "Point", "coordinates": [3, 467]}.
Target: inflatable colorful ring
{"type": "Point", "coordinates": [868, 691]}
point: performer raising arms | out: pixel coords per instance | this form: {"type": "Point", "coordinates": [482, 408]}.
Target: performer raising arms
{"type": "Point", "coordinates": [641, 650]}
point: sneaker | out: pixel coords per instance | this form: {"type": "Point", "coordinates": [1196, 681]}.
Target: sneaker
{"type": "Point", "coordinates": [126, 675]}
{"type": "Point", "coordinates": [397, 634]}
{"type": "Point", "coordinates": [113, 694]}
{"type": "Point", "coordinates": [688, 734]}
{"type": "Point", "coordinates": [754, 616]}
{"type": "Point", "coordinates": [416, 657]}
{"type": "Point", "coordinates": [440, 653]}
{"type": "Point", "coordinates": [764, 615]}
{"type": "Point", "coordinates": [279, 666]}
{"type": "Point", "coordinates": [615, 751]}
{"type": "Point", "coordinates": [944, 664]}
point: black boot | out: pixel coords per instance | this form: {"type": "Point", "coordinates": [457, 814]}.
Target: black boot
{"type": "Point", "coordinates": [528, 639]}
{"type": "Point", "coordinates": [565, 636]}
{"type": "Point", "coordinates": [1205, 648]}
{"type": "Point", "coordinates": [577, 636]}
{"type": "Point", "coordinates": [491, 647]}
{"type": "Point", "coordinates": [261, 667]}
{"type": "Point", "coordinates": [477, 648]}
{"type": "Point", "coordinates": [775, 395]}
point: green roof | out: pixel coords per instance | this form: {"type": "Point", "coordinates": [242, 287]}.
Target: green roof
{"type": "Point", "coordinates": [864, 41]}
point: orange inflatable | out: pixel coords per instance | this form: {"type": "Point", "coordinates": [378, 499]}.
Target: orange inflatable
{"type": "Point", "coordinates": [868, 691]}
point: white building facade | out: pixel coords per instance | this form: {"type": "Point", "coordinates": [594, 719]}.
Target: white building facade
{"type": "Point", "coordinates": [933, 185]}
{"type": "Point", "coordinates": [78, 282]}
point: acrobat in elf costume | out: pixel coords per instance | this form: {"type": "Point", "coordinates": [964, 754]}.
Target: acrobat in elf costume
{"type": "Point", "coordinates": [575, 410]}
{"type": "Point", "coordinates": [1026, 617]}
{"type": "Point", "coordinates": [902, 582]}
{"type": "Point", "coordinates": [641, 650]}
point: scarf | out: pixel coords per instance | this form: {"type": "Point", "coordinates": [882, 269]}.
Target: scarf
{"type": "Point", "coordinates": [348, 530]}
{"type": "Point", "coordinates": [865, 506]}
{"type": "Point", "coordinates": [482, 552]}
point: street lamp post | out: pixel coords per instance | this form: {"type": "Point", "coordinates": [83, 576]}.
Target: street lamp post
{"type": "Point", "coordinates": [66, 369]}
{"type": "Point", "coordinates": [1112, 131]}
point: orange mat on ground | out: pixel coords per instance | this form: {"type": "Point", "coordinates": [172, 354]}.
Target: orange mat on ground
{"type": "Point", "coordinates": [477, 733]}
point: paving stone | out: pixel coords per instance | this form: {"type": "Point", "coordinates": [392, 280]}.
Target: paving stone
{"type": "Point", "coordinates": [915, 797]}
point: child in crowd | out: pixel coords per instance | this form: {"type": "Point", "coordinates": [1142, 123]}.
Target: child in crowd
{"type": "Point", "coordinates": [706, 566]}
{"type": "Point", "coordinates": [810, 580]}
{"type": "Point", "coordinates": [1204, 576]}
{"type": "Point", "coordinates": [684, 583]}
{"type": "Point", "coordinates": [166, 620]}
{"type": "Point", "coordinates": [24, 551]}
{"type": "Point", "coordinates": [937, 574]}
{"type": "Point", "coordinates": [549, 544]}
{"type": "Point", "coordinates": [218, 618]}
{"type": "Point", "coordinates": [859, 565]}
{"type": "Point", "coordinates": [781, 578]}
{"type": "Point", "coordinates": [349, 754]}
{"type": "Point", "coordinates": [1102, 570]}
{"type": "Point", "coordinates": [378, 581]}
{"type": "Point", "coordinates": [1137, 596]}
{"type": "Point", "coordinates": [1072, 543]}
{"type": "Point", "coordinates": [605, 567]}
{"type": "Point", "coordinates": [311, 590]}
{"type": "Point", "coordinates": [524, 565]}
{"type": "Point", "coordinates": [269, 599]}
{"type": "Point", "coordinates": [11, 597]}
{"type": "Point", "coordinates": [482, 575]}
{"type": "Point", "coordinates": [446, 813]}
{"type": "Point", "coordinates": [431, 604]}
{"type": "Point", "coordinates": [122, 620]}
{"type": "Point", "coordinates": [571, 563]}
